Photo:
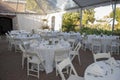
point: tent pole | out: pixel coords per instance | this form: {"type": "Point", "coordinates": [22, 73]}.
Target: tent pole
{"type": "Point", "coordinates": [17, 6]}
{"type": "Point", "coordinates": [114, 13]}
{"type": "Point", "coordinates": [80, 18]}
{"type": "Point", "coordinates": [39, 4]}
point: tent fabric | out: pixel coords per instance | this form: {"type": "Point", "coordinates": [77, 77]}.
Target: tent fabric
{"type": "Point", "coordinates": [94, 3]}
{"type": "Point", "coordinates": [60, 5]}
{"type": "Point", "coordinates": [5, 8]}
{"type": "Point", "coordinates": [51, 6]}
{"type": "Point", "coordinates": [45, 6]}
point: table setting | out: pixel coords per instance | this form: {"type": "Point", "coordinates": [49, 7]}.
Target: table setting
{"type": "Point", "coordinates": [46, 50]}
{"type": "Point", "coordinates": [103, 70]}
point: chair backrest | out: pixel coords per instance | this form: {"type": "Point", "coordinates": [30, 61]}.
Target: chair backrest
{"type": "Point", "coordinates": [11, 39]}
{"type": "Point", "coordinates": [77, 47]}
{"type": "Point", "coordinates": [101, 56]}
{"type": "Point", "coordinates": [72, 42]}
{"type": "Point", "coordinates": [55, 40]}
{"type": "Point", "coordinates": [7, 35]}
{"type": "Point", "coordinates": [96, 41]}
{"type": "Point", "coordinates": [96, 45]}
{"type": "Point", "coordinates": [115, 42]}
{"type": "Point", "coordinates": [22, 48]}
{"type": "Point", "coordinates": [62, 65]}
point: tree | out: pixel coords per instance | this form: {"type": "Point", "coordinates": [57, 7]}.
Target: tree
{"type": "Point", "coordinates": [117, 17]}
{"type": "Point", "coordinates": [117, 14]}
{"type": "Point", "coordinates": [88, 16]}
{"type": "Point", "coordinates": [71, 21]}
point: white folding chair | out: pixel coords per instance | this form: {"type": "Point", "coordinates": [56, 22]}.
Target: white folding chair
{"type": "Point", "coordinates": [11, 42]}
{"type": "Point", "coordinates": [33, 64]}
{"type": "Point", "coordinates": [55, 40]}
{"type": "Point", "coordinates": [101, 56]}
{"type": "Point", "coordinates": [60, 55]}
{"type": "Point", "coordinates": [72, 43]}
{"type": "Point", "coordinates": [16, 44]}
{"type": "Point", "coordinates": [96, 45]}
{"type": "Point", "coordinates": [72, 72]}
{"type": "Point", "coordinates": [24, 54]}
{"type": "Point", "coordinates": [75, 52]}
{"type": "Point", "coordinates": [115, 46]}
{"type": "Point", "coordinates": [7, 37]}
{"type": "Point", "coordinates": [8, 40]}
{"type": "Point", "coordinates": [85, 43]}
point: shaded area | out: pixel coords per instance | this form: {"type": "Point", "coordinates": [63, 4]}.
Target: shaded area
{"type": "Point", "coordinates": [5, 25]}
{"type": "Point", "coordinates": [11, 69]}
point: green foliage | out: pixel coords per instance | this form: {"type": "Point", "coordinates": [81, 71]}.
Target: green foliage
{"type": "Point", "coordinates": [88, 16]}
{"type": "Point", "coordinates": [70, 21]}
{"type": "Point", "coordinates": [117, 17]}
{"type": "Point", "coordinates": [88, 30]}
{"type": "Point", "coordinates": [117, 14]}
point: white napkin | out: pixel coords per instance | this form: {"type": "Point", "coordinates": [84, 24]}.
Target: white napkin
{"type": "Point", "coordinates": [41, 46]}
{"type": "Point", "coordinates": [112, 61]}
{"type": "Point", "coordinates": [97, 70]}
{"type": "Point", "coordinates": [58, 46]}
{"type": "Point", "coordinates": [34, 44]}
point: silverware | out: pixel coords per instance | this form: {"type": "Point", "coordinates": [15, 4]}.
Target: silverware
{"type": "Point", "coordinates": [94, 75]}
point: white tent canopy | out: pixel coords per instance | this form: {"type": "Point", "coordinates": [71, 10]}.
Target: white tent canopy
{"type": "Point", "coordinates": [60, 5]}
{"type": "Point", "coordinates": [94, 3]}
{"type": "Point", "coordinates": [51, 6]}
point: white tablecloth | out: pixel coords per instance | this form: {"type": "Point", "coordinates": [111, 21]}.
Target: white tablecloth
{"type": "Point", "coordinates": [102, 71]}
{"type": "Point", "coordinates": [47, 53]}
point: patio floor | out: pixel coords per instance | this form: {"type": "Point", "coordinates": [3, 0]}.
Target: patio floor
{"type": "Point", "coordinates": [10, 65]}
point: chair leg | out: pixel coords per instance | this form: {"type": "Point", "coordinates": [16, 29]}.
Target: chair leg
{"type": "Point", "coordinates": [56, 68]}
{"type": "Point", "coordinates": [38, 70]}
{"type": "Point", "coordinates": [79, 59]}
{"type": "Point", "coordinates": [72, 57]}
{"type": "Point", "coordinates": [23, 62]}
{"type": "Point", "coordinates": [118, 50]}
{"type": "Point", "coordinates": [27, 68]}
{"type": "Point", "coordinates": [15, 48]}
{"type": "Point", "coordinates": [10, 46]}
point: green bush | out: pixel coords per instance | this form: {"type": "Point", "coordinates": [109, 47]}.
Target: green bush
{"type": "Point", "coordinates": [88, 30]}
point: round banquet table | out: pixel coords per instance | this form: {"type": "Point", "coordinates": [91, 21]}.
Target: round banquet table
{"type": "Point", "coordinates": [101, 70]}
{"type": "Point", "coordinates": [47, 53]}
